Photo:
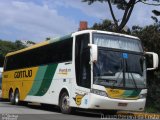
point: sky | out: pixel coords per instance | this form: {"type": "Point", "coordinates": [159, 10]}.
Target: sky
{"type": "Point", "coordinates": [36, 20]}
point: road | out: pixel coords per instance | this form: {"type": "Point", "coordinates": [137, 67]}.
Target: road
{"type": "Point", "coordinates": [36, 112]}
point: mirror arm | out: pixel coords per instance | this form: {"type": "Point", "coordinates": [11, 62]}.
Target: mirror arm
{"type": "Point", "coordinates": [94, 52]}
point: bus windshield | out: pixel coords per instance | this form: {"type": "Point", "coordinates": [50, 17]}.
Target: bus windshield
{"type": "Point", "coordinates": [120, 67]}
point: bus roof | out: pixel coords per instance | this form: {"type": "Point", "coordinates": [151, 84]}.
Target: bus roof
{"type": "Point", "coordinates": [105, 32]}
{"type": "Point", "coordinates": [68, 36]}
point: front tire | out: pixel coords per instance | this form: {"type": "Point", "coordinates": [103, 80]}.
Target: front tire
{"type": "Point", "coordinates": [64, 103]}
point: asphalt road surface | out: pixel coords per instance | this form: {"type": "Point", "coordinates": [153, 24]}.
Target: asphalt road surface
{"type": "Point", "coordinates": [34, 111]}
{"type": "Point", "coordinates": [37, 112]}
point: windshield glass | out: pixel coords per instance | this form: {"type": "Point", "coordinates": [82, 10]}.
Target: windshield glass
{"type": "Point", "coordinates": [119, 69]}
{"type": "Point", "coordinates": [118, 42]}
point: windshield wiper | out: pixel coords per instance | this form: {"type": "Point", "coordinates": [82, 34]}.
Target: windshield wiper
{"type": "Point", "coordinates": [124, 78]}
{"type": "Point", "coordinates": [124, 71]}
{"type": "Point", "coordinates": [118, 75]}
{"type": "Point", "coordinates": [132, 77]}
{"type": "Point", "coordinates": [134, 81]}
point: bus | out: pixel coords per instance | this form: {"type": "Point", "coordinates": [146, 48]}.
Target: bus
{"type": "Point", "coordinates": [88, 69]}
{"type": "Point", "coordinates": [1, 70]}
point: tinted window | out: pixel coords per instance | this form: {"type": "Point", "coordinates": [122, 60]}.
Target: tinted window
{"type": "Point", "coordinates": [82, 59]}
{"type": "Point", "coordinates": [53, 53]}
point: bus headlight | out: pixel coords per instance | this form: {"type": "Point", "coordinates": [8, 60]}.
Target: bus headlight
{"type": "Point", "coordinates": [141, 96]}
{"type": "Point", "coordinates": [99, 92]}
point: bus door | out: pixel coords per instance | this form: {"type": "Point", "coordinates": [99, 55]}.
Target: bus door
{"type": "Point", "coordinates": [82, 70]}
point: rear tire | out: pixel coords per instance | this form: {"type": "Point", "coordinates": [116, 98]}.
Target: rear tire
{"type": "Point", "coordinates": [64, 103]}
{"type": "Point", "coordinates": [11, 97]}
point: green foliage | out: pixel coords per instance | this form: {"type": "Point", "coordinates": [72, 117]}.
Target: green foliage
{"type": "Point", "coordinates": [151, 110]}
{"type": "Point", "coordinates": [150, 37]}
{"type": "Point", "coordinates": [107, 25]}
{"type": "Point", "coordinates": [7, 46]}
{"type": "Point", "coordinates": [30, 42]}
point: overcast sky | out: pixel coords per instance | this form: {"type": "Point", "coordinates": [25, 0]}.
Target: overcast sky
{"type": "Point", "coordinates": [37, 19]}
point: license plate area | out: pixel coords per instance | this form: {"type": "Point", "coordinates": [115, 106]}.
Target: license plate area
{"type": "Point", "coordinates": [122, 104]}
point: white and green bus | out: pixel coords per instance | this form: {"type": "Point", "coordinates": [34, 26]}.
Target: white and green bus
{"type": "Point", "coordinates": [87, 69]}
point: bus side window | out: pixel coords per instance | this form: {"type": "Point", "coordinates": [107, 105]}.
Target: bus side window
{"type": "Point", "coordinates": [82, 58]}
{"type": "Point", "coordinates": [58, 52]}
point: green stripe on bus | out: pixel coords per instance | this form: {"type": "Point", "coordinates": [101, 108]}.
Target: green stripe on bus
{"type": "Point", "coordinates": [135, 93]}
{"type": "Point", "coordinates": [47, 79]}
{"type": "Point", "coordinates": [131, 93]}
{"type": "Point", "coordinates": [38, 80]}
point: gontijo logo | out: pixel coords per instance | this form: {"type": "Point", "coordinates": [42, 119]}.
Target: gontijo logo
{"type": "Point", "coordinates": [23, 74]}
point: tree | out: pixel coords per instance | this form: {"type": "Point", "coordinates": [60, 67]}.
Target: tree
{"type": "Point", "coordinates": [19, 44]}
{"type": "Point", "coordinates": [31, 42]}
{"type": "Point", "coordinates": [126, 5]}
{"type": "Point", "coordinates": [151, 43]}
{"type": "Point", "coordinates": [156, 12]}
{"type": "Point", "coordinates": [107, 25]}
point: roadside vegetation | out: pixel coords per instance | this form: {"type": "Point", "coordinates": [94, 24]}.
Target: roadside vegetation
{"type": "Point", "coordinates": [8, 46]}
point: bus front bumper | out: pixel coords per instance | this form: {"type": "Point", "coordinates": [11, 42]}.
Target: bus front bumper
{"type": "Point", "coordinates": [101, 102]}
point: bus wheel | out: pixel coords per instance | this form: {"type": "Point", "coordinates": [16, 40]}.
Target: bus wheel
{"type": "Point", "coordinates": [16, 97]}
{"type": "Point", "coordinates": [64, 103]}
{"type": "Point", "coordinates": [11, 97]}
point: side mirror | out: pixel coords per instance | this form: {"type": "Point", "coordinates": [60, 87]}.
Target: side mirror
{"type": "Point", "coordinates": [155, 60]}
{"type": "Point", "coordinates": [94, 52]}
